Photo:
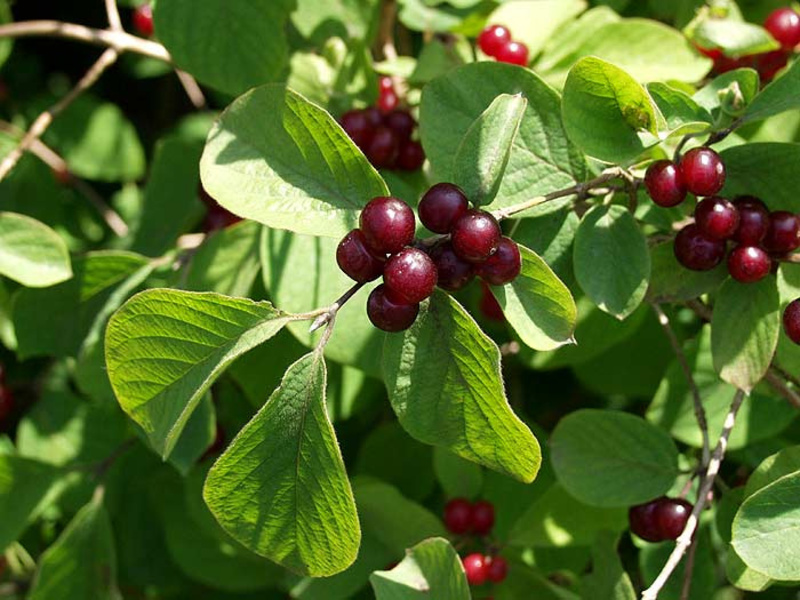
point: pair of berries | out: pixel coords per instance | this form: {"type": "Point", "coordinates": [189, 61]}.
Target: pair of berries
{"type": "Point", "coordinates": [462, 517]}
{"type": "Point", "coordinates": [791, 321]}
{"type": "Point", "coordinates": [496, 41]}
{"type": "Point", "coordinates": [481, 568]}
{"type": "Point", "coordinates": [216, 217]}
{"type": "Point", "coordinates": [385, 137]}
{"type": "Point", "coordinates": [660, 519]}
{"type": "Point", "coordinates": [384, 245]}
{"type": "Point", "coordinates": [143, 20]}
{"type": "Point", "coordinates": [700, 171]}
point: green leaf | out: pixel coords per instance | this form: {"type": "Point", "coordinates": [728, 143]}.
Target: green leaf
{"type": "Point", "coordinates": [24, 486]}
{"type": "Point", "coordinates": [443, 377]}
{"type": "Point", "coordinates": [608, 580]}
{"type": "Point", "coordinates": [82, 562]}
{"type": "Point", "coordinates": [742, 576]}
{"type": "Point", "coordinates": [287, 460]}
{"type": "Point", "coordinates": [772, 468]}
{"type": "Point", "coordinates": [779, 96]}
{"type": "Point", "coordinates": [534, 21]}
{"type": "Point", "coordinates": [550, 233]}
{"type": "Point", "coordinates": [432, 569]}
{"type": "Point", "coordinates": [198, 434]}
{"type": "Point", "coordinates": [765, 532]}
{"type": "Point", "coordinates": [743, 82]}
{"type": "Point", "coordinates": [606, 112]}
{"type": "Point", "coordinates": [319, 20]}
{"type": "Point", "coordinates": [683, 115]}
{"type": "Point", "coordinates": [164, 349]}
{"type": "Point", "coordinates": [610, 458]}
{"type": "Point", "coordinates": [747, 175]}
{"type": "Point", "coordinates": [6, 44]}
{"type": "Point", "coordinates": [275, 158]}
{"type": "Point", "coordinates": [31, 253]}
{"type": "Point", "coordinates": [230, 48]}
{"type": "Point", "coordinates": [542, 158]}
{"type": "Point", "coordinates": [745, 330]}
{"type": "Point", "coordinates": [538, 305]}
{"type": "Point", "coordinates": [483, 155]}
{"type": "Point", "coordinates": [670, 282]}
{"type": "Point", "coordinates": [458, 477]}
{"type": "Point", "coordinates": [612, 261]}
{"type": "Point", "coordinates": [735, 38]}
{"type": "Point", "coordinates": [227, 262]}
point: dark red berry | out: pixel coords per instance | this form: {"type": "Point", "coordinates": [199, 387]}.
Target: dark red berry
{"type": "Point", "coordinates": [410, 276]}
{"type": "Point", "coordinates": [497, 569]}
{"type": "Point", "coordinates": [458, 516]}
{"type": "Point", "coordinates": [143, 20]}
{"type": "Point", "coordinates": [401, 122]}
{"type": "Point", "coordinates": [382, 148]}
{"type": "Point", "coordinates": [356, 259]}
{"type": "Point", "coordinates": [441, 206]}
{"type": "Point", "coordinates": [388, 224]}
{"type": "Point", "coordinates": [388, 315]}
{"type": "Point", "coordinates": [753, 221]}
{"type": "Point", "coordinates": [489, 305]}
{"type": "Point", "coordinates": [515, 53]}
{"type": "Point", "coordinates": [374, 116]}
{"type": "Point", "coordinates": [6, 403]}
{"type": "Point", "coordinates": [770, 64]}
{"type": "Point", "coordinates": [791, 321]}
{"type": "Point", "coordinates": [411, 156]}
{"type": "Point", "coordinates": [218, 218]}
{"type": "Point", "coordinates": [492, 38]}
{"type": "Point", "coordinates": [784, 25]}
{"type": "Point", "coordinates": [482, 517]}
{"type": "Point", "coordinates": [748, 264]}
{"type": "Point", "coordinates": [642, 521]}
{"type": "Point", "coordinates": [664, 183]}
{"type": "Point", "coordinates": [716, 218]}
{"type": "Point", "coordinates": [703, 171]}
{"type": "Point", "coordinates": [475, 235]}
{"type": "Point", "coordinates": [671, 516]}
{"type": "Point", "coordinates": [357, 125]}
{"type": "Point", "coordinates": [387, 97]}
{"type": "Point", "coordinates": [454, 272]}
{"type": "Point", "coordinates": [504, 265]}
{"type": "Point", "coordinates": [697, 252]}
{"type": "Point", "coordinates": [783, 233]}
{"type": "Point", "coordinates": [475, 568]}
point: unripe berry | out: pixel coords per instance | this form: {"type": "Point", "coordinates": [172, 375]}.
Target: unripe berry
{"type": "Point", "coordinates": [410, 276]}
{"type": "Point", "coordinates": [791, 321]}
{"type": "Point", "coordinates": [515, 53]}
{"type": "Point", "coordinates": [475, 235]}
{"type": "Point", "coordinates": [784, 25]}
{"type": "Point", "coordinates": [388, 315]}
{"type": "Point", "coordinates": [504, 265]}
{"type": "Point", "coordinates": [475, 568]}
{"type": "Point", "coordinates": [753, 221]}
{"type": "Point", "coordinates": [388, 224]}
{"type": "Point", "coordinates": [458, 516]}
{"type": "Point", "coordinates": [697, 252]}
{"type": "Point", "coordinates": [356, 259]}
{"type": "Point", "coordinates": [716, 218]}
{"type": "Point", "coordinates": [664, 183]}
{"type": "Point", "coordinates": [783, 233]}
{"type": "Point", "coordinates": [482, 517]}
{"type": "Point", "coordinates": [748, 264]}
{"type": "Point", "coordinates": [492, 38]}
{"type": "Point", "coordinates": [454, 272]}
{"type": "Point", "coordinates": [703, 171]}
{"type": "Point", "coordinates": [441, 206]}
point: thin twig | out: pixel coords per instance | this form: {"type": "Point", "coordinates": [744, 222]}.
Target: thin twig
{"type": "Point", "coordinates": [44, 120]}
{"type": "Point", "coordinates": [685, 539]}
{"type": "Point", "coordinates": [118, 40]}
{"type": "Point", "coordinates": [103, 466]}
{"type": "Point", "coordinates": [686, 588]}
{"type": "Point", "coordinates": [192, 89]}
{"type": "Point", "coordinates": [330, 313]}
{"type": "Point", "coordinates": [774, 378]}
{"type": "Point", "coordinates": [112, 11]}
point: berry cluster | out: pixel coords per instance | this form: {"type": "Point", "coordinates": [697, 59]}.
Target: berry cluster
{"type": "Point", "coordinates": [143, 20]}
{"type": "Point", "coordinates": [495, 41]}
{"type": "Point", "coordinates": [7, 403]}
{"type": "Point", "coordinates": [462, 517]}
{"type": "Point", "coordinates": [471, 244]}
{"type": "Point", "coordinates": [660, 519]}
{"type": "Point", "coordinates": [384, 132]}
{"type": "Point", "coordinates": [784, 25]}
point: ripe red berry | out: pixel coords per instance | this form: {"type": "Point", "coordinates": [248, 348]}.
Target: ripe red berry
{"type": "Point", "coordinates": [387, 97]}
{"type": "Point", "coordinates": [475, 568]}
{"type": "Point", "coordinates": [411, 156]}
{"type": "Point", "coordinates": [748, 264]}
{"type": "Point", "coordinates": [374, 116]}
{"type": "Point", "coordinates": [504, 265]}
{"type": "Point", "coordinates": [770, 64]}
{"type": "Point", "coordinates": [382, 148]}
{"type": "Point", "coordinates": [475, 235]}
{"type": "Point", "coordinates": [642, 521]}
{"type": "Point", "coordinates": [791, 321]}
{"type": "Point", "coordinates": [387, 314]}
{"type": "Point", "coordinates": [218, 218]}
{"type": "Point", "coordinates": [490, 307]}
{"type": "Point", "coordinates": [482, 517]}
{"type": "Point", "coordinates": [664, 183]}
{"type": "Point", "coordinates": [492, 38]}
{"type": "Point", "coordinates": [703, 171]}
{"type": "Point", "coordinates": [753, 221]}
{"type": "Point", "coordinates": [515, 53]}
{"type": "Point", "coordinates": [671, 515]}
{"type": "Point", "coordinates": [410, 276]}
{"type": "Point", "coordinates": [401, 122]}
{"type": "Point", "coordinates": [388, 224]}
{"type": "Point", "coordinates": [784, 25]}
{"type": "Point", "coordinates": [6, 403]}
{"type": "Point", "coordinates": [454, 272]}
{"type": "Point", "coordinates": [356, 259]}
{"type": "Point", "coordinates": [143, 20]}
{"type": "Point", "coordinates": [357, 125]}
{"type": "Point", "coordinates": [783, 233]}
{"type": "Point", "coordinates": [697, 252]}
{"type": "Point", "coordinates": [458, 516]}
{"type": "Point", "coordinates": [497, 569]}
{"type": "Point", "coordinates": [441, 206]}
{"type": "Point", "coordinates": [716, 218]}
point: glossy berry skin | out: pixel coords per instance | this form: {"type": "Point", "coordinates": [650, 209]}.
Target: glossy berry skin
{"type": "Point", "coordinates": [401, 122]}
{"type": "Point", "coordinates": [356, 259]}
{"type": "Point", "coordinates": [458, 516]}
{"type": "Point", "coordinates": [475, 568]}
{"type": "Point", "coordinates": [671, 516]}
{"type": "Point", "coordinates": [703, 171]}
{"type": "Point", "coordinates": [753, 221]}
{"type": "Point", "coordinates": [642, 521]}
{"type": "Point", "coordinates": [6, 403]}
{"type": "Point", "coordinates": [492, 38]}
{"type": "Point", "coordinates": [748, 264]}
{"type": "Point", "coordinates": [497, 569]}
{"type": "Point", "coordinates": [143, 20]}
{"type": "Point", "coordinates": [515, 53]}
{"type": "Point", "coordinates": [664, 183]}
{"type": "Point", "coordinates": [791, 321]}
{"type": "Point", "coordinates": [504, 265]}
{"type": "Point", "coordinates": [358, 127]}
{"type": "Point", "coordinates": [454, 272]}
{"type": "Point", "coordinates": [482, 517]}
{"type": "Point", "coordinates": [716, 218]}
{"type": "Point", "coordinates": [388, 315]}
{"type": "Point", "coordinates": [411, 156]}
{"type": "Point", "coordinates": [475, 235]}
{"type": "Point", "coordinates": [697, 252]}
{"type": "Point", "coordinates": [441, 206]}
{"type": "Point", "coordinates": [783, 234]}
{"type": "Point", "coordinates": [388, 224]}
{"type": "Point", "coordinates": [387, 97]}
{"type": "Point", "coordinates": [410, 276]}
{"type": "Point", "coordinates": [382, 148]}
{"type": "Point", "coordinates": [784, 25]}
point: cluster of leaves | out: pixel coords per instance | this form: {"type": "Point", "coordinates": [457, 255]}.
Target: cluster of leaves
{"type": "Point", "coordinates": [132, 356]}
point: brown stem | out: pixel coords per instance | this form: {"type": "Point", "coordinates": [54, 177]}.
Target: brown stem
{"type": "Point", "coordinates": [327, 317]}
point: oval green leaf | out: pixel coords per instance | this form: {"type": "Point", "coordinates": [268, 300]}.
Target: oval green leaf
{"type": "Point", "coordinates": [31, 253]}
